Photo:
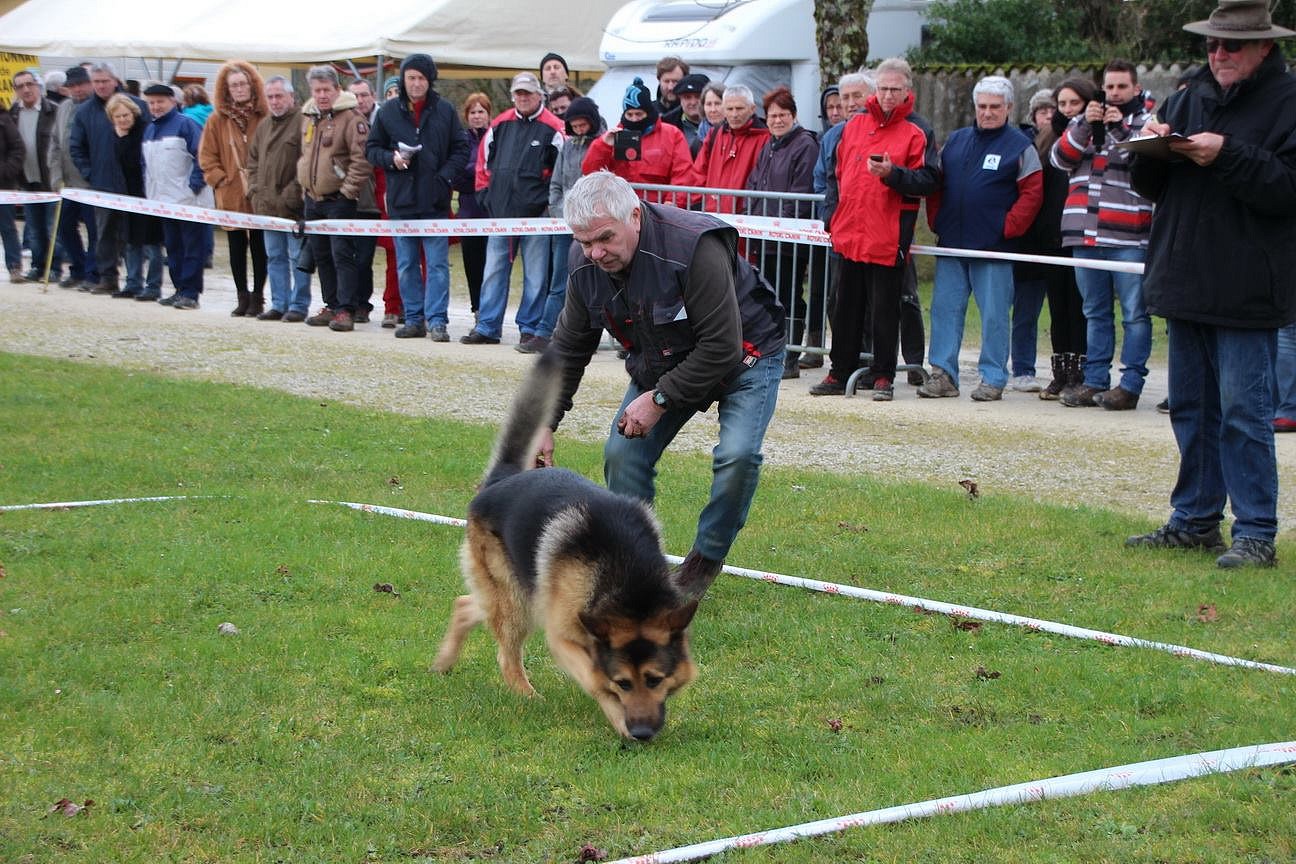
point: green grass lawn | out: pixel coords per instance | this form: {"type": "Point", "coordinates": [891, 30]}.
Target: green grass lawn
{"type": "Point", "coordinates": [318, 734]}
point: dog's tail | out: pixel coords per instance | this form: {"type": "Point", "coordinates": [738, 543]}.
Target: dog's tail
{"type": "Point", "coordinates": [532, 410]}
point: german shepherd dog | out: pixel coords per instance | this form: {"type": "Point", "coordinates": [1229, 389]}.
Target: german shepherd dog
{"type": "Point", "coordinates": [550, 549]}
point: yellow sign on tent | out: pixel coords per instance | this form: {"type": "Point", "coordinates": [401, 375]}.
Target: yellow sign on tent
{"type": "Point", "coordinates": [10, 65]}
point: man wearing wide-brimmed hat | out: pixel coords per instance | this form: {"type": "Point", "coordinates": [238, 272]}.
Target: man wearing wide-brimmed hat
{"type": "Point", "coordinates": [1221, 269]}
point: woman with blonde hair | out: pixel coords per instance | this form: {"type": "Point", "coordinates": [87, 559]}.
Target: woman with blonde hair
{"type": "Point", "coordinates": [240, 105]}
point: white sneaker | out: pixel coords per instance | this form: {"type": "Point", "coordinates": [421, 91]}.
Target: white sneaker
{"type": "Point", "coordinates": [1025, 384]}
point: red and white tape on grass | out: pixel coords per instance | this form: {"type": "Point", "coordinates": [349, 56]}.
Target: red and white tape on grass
{"type": "Point", "coordinates": [72, 505]}
{"type": "Point", "coordinates": [917, 603]}
{"type": "Point", "coordinates": [775, 229]}
{"type": "Point", "coordinates": [1151, 773]}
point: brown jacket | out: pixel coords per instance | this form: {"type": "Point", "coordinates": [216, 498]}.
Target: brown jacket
{"type": "Point", "coordinates": [333, 150]}
{"type": "Point", "coordinates": [223, 152]}
{"type": "Point", "coordinates": [272, 166]}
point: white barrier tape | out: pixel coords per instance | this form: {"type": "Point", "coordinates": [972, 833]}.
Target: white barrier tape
{"type": "Point", "coordinates": [1152, 773]}
{"type": "Point", "coordinates": [917, 603]}
{"type": "Point", "coordinates": [70, 505]}
{"type": "Point", "coordinates": [773, 229]}
{"type": "Point", "coordinates": [8, 196]}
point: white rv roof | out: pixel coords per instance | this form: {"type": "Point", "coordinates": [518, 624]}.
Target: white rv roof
{"type": "Point", "coordinates": [722, 31]}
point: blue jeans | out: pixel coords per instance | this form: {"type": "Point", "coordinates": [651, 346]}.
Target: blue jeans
{"type": "Point", "coordinates": [138, 281]}
{"type": "Point", "coordinates": [1285, 374]}
{"type": "Point", "coordinates": [745, 409]}
{"type": "Point", "coordinates": [38, 224]}
{"type": "Point", "coordinates": [1221, 410]}
{"type": "Point", "coordinates": [1028, 300]}
{"type": "Point", "coordinates": [80, 257]}
{"type": "Point", "coordinates": [1098, 288]}
{"type": "Point", "coordinates": [991, 283]}
{"type": "Point", "coordinates": [560, 246]}
{"type": "Point", "coordinates": [495, 284]}
{"type": "Point", "coordinates": [290, 288]}
{"type": "Point", "coordinates": [424, 300]}
{"type": "Point", "coordinates": [9, 237]}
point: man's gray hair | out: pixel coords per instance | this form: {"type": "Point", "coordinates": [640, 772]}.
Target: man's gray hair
{"type": "Point", "coordinates": [279, 79]}
{"type": "Point", "coordinates": [740, 91]}
{"type": "Point", "coordinates": [54, 80]}
{"type": "Point", "coordinates": [323, 73]}
{"type": "Point", "coordinates": [105, 67]}
{"type": "Point", "coordinates": [601, 195]}
{"type": "Point", "coordinates": [994, 85]}
{"type": "Point", "coordinates": [852, 79]}
{"type": "Point", "coordinates": [896, 66]}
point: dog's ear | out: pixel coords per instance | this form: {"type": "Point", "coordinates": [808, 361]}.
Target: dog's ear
{"type": "Point", "coordinates": [597, 627]}
{"type": "Point", "coordinates": [677, 619]}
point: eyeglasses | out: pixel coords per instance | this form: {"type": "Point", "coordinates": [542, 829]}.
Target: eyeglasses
{"type": "Point", "coordinates": [1231, 46]}
{"type": "Point", "coordinates": [891, 90]}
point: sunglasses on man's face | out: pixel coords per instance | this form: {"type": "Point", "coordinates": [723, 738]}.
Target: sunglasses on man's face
{"type": "Point", "coordinates": [1232, 46]}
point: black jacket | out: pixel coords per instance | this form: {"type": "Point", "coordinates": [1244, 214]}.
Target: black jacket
{"type": "Point", "coordinates": [421, 191]}
{"type": "Point", "coordinates": [12, 152]}
{"type": "Point", "coordinates": [45, 125]}
{"type": "Point", "coordinates": [1223, 244]}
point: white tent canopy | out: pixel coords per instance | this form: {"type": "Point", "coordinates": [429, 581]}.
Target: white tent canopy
{"type": "Point", "coordinates": [500, 34]}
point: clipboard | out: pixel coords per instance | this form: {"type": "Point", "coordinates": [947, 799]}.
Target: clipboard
{"type": "Point", "coordinates": [1156, 146]}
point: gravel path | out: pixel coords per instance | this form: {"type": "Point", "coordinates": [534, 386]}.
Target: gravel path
{"type": "Point", "coordinates": [1124, 460]}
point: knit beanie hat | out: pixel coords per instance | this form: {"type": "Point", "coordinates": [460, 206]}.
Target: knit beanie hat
{"type": "Point", "coordinates": [1041, 99]}
{"type": "Point", "coordinates": [393, 81]}
{"type": "Point", "coordinates": [552, 56]}
{"type": "Point", "coordinates": [638, 96]}
{"type": "Point", "coordinates": [420, 63]}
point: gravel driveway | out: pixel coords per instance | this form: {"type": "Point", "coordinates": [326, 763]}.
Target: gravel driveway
{"type": "Point", "coordinates": [1071, 456]}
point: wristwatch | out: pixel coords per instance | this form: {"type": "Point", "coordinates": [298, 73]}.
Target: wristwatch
{"type": "Point", "coordinates": [661, 400]}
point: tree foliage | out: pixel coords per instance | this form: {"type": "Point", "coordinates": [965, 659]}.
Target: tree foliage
{"type": "Point", "coordinates": [841, 36]}
{"type": "Point", "coordinates": [1017, 32]}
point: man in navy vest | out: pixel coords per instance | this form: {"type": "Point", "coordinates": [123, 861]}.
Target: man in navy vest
{"type": "Point", "coordinates": [991, 192]}
{"type": "Point", "coordinates": [698, 325]}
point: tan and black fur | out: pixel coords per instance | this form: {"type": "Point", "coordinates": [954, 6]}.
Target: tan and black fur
{"type": "Point", "coordinates": [550, 549]}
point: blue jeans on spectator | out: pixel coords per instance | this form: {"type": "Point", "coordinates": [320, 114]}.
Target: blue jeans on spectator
{"type": "Point", "coordinates": [991, 283]}
{"type": "Point", "coordinates": [139, 282]}
{"type": "Point", "coordinates": [38, 224]}
{"type": "Point", "coordinates": [495, 284]}
{"type": "Point", "coordinates": [424, 300]}
{"type": "Point", "coordinates": [745, 409]}
{"type": "Point", "coordinates": [80, 257]}
{"type": "Point", "coordinates": [1285, 374]}
{"type": "Point", "coordinates": [560, 246]}
{"type": "Point", "coordinates": [1028, 300]}
{"type": "Point", "coordinates": [290, 288]}
{"type": "Point", "coordinates": [9, 237]}
{"type": "Point", "coordinates": [1098, 290]}
{"type": "Point", "coordinates": [1221, 410]}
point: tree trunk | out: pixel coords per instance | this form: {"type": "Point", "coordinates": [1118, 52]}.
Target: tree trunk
{"type": "Point", "coordinates": [842, 37]}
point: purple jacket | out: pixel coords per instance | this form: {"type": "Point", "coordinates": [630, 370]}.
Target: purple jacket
{"type": "Point", "coordinates": [784, 165]}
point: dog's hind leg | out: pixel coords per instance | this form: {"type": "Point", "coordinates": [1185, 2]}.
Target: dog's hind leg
{"type": "Point", "coordinates": [467, 614]}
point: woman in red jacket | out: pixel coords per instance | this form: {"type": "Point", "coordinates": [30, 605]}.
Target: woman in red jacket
{"type": "Point", "coordinates": [662, 154]}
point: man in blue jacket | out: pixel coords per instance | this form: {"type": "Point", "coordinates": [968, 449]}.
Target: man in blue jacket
{"type": "Point", "coordinates": [417, 140]}
{"type": "Point", "coordinates": [172, 174]}
{"type": "Point", "coordinates": [93, 145]}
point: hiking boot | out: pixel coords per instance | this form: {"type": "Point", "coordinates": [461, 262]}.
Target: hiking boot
{"type": "Point", "coordinates": [1080, 397]}
{"type": "Point", "coordinates": [322, 318]}
{"type": "Point", "coordinates": [439, 333]}
{"type": "Point", "coordinates": [411, 331]}
{"type": "Point", "coordinates": [1053, 390]}
{"type": "Point", "coordinates": [108, 288]}
{"type": "Point", "coordinates": [69, 281]}
{"type": "Point", "coordinates": [532, 345]}
{"type": "Point", "coordinates": [1248, 552]}
{"type": "Point", "coordinates": [148, 298]}
{"type": "Point", "coordinates": [342, 322]}
{"type": "Point", "coordinates": [476, 337]}
{"type": "Point", "coordinates": [987, 393]}
{"type": "Point", "coordinates": [829, 386]}
{"type": "Point", "coordinates": [916, 378]}
{"type": "Point", "coordinates": [185, 303]}
{"type": "Point", "coordinates": [1169, 537]}
{"type": "Point", "coordinates": [293, 317]}
{"type": "Point", "coordinates": [938, 385]}
{"type": "Point", "coordinates": [16, 275]}
{"type": "Point", "coordinates": [882, 390]}
{"type": "Point", "coordinates": [169, 301]}
{"type": "Point", "coordinates": [1025, 384]}
{"type": "Point", "coordinates": [270, 314]}
{"type": "Point", "coordinates": [123, 294]}
{"type": "Point", "coordinates": [810, 361]}
{"type": "Point", "coordinates": [361, 316]}
{"type": "Point", "coordinates": [1163, 407]}
{"type": "Point", "coordinates": [389, 321]}
{"type": "Point", "coordinates": [35, 275]}
{"type": "Point", "coordinates": [1117, 399]}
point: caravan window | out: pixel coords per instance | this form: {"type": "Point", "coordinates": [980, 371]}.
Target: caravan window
{"type": "Point", "coordinates": [608, 91]}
